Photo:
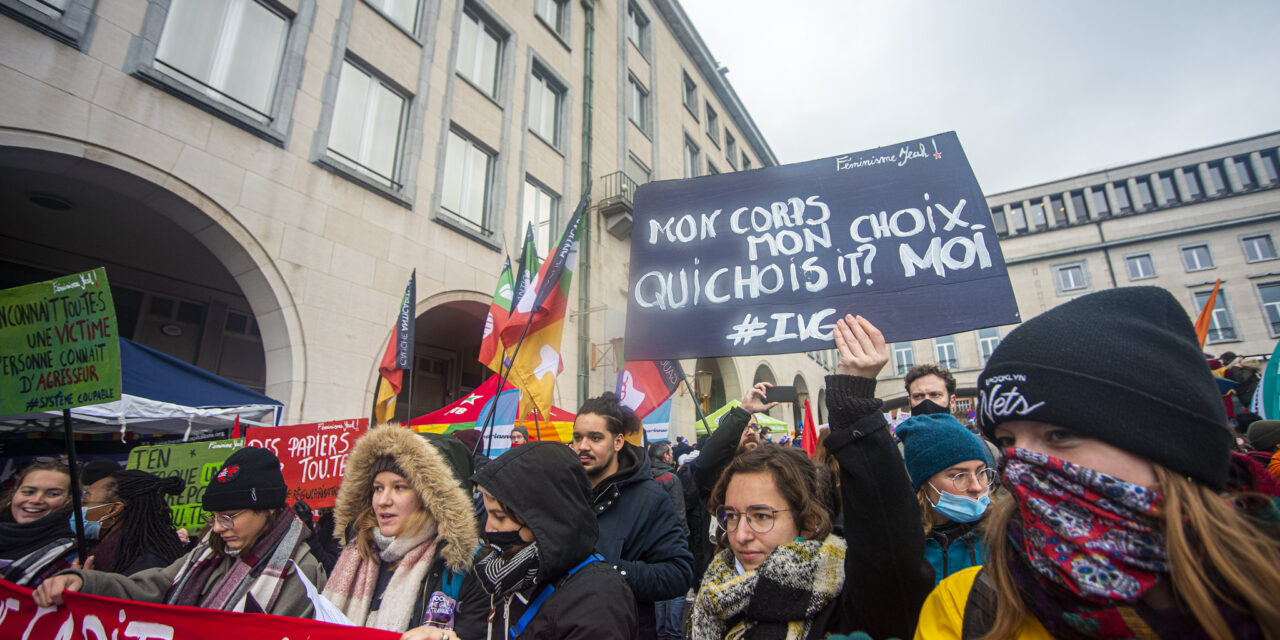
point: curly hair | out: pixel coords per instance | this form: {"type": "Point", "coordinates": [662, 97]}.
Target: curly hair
{"type": "Point", "coordinates": [929, 369]}
{"type": "Point", "coordinates": [803, 484]}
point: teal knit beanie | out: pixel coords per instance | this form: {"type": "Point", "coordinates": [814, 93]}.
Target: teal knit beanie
{"type": "Point", "coordinates": [931, 443]}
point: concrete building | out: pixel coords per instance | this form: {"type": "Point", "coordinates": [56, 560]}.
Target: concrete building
{"type": "Point", "coordinates": [1181, 222]}
{"type": "Point", "coordinates": [260, 177]}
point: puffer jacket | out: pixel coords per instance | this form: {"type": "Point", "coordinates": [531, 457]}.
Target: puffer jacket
{"type": "Point", "coordinates": [665, 475]}
{"type": "Point", "coordinates": [544, 485]}
{"type": "Point", "coordinates": [434, 474]}
{"type": "Point", "coordinates": [954, 547]}
{"type": "Point", "coordinates": [640, 535]}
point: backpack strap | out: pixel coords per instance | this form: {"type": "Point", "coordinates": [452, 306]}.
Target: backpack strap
{"type": "Point", "coordinates": [980, 608]}
{"type": "Point", "coordinates": [545, 593]}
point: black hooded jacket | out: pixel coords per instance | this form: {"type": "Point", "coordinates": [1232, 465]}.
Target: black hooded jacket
{"type": "Point", "coordinates": [544, 485]}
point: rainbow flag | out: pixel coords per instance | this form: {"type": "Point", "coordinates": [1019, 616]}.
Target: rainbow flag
{"type": "Point", "coordinates": [472, 412]}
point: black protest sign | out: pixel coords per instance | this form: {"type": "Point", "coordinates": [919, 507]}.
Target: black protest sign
{"type": "Point", "coordinates": [765, 261]}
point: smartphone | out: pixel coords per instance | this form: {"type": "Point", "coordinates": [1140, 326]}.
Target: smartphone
{"type": "Point", "coordinates": [780, 394]}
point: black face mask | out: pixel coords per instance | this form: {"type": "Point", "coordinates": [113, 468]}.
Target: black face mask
{"type": "Point", "coordinates": [503, 539]}
{"type": "Point", "coordinates": [928, 407]}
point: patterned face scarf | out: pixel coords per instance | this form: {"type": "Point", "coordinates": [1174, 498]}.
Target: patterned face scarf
{"type": "Point", "coordinates": [1092, 534]}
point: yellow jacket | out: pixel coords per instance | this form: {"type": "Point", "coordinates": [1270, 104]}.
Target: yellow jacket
{"type": "Point", "coordinates": [942, 617]}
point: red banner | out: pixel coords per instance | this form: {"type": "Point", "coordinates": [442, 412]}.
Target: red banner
{"type": "Point", "coordinates": [313, 456]}
{"type": "Point", "coordinates": [86, 617]}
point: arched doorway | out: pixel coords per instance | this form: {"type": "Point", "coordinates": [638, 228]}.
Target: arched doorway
{"type": "Point", "coordinates": [715, 380]}
{"type": "Point", "coordinates": [186, 277]}
{"type": "Point", "coordinates": [797, 412]}
{"type": "Point", "coordinates": [445, 354]}
{"type": "Point", "coordinates": [765, 374]}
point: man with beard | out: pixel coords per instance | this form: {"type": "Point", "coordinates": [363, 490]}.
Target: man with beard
{"type": "Point", "coordinates": [736, 433]}
{"type": "Point", "coordinates": [640, 532]}
{"type": "Point", "coordinates": [930, 389]}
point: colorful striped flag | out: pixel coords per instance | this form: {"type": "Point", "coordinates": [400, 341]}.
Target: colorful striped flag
{"type": "Point", "coordinates": [398, 356]}
{"type": "Point", "coordinates": [491, 348]}
{"type": "Point", "coordinates": [643, 385]}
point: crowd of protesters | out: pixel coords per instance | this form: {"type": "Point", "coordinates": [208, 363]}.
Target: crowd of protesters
{"type": "Point", "coordinates": [1084, 502]}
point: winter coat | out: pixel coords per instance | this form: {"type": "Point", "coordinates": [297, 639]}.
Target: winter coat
{"type": "Point", "coordinates": [433, 473]}
{"type": "Point", "coordinates": [943, 613]}
{"type": "Point", "coordinates": [544, 485]}
{"type": "Point", "coordinates": [640, 535]}
{"type": "Point", "coordinates": [886, 575]}
{"type": "Point", "coordinates": [665, 475]}
{"type": "Point", "coordinates": [699, 478]}
{"type": "Point", "coordinates": [153, 585]}
{"type": "Point", "coordinates": [953, 547]}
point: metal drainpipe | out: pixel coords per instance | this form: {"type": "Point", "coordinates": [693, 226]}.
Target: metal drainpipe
{"type": "Point", "coordinates": [584, 245]}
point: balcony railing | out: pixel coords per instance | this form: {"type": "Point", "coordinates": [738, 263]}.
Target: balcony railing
{"type": "Point", "coordinates": [617, 195]}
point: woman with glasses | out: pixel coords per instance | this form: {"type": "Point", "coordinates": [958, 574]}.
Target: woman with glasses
{"type": "Point", "coordinates": [783, 573]}
{"type": "Point", "coordinates": [950, 473]}
{"type": "Point", "coordinates": [36, 540]}
{"type": "Point", "coordinates": [126, 513]}
{"type": "Point", "coordinates": [254, 557]}
{"type": "Point", "coordinates": [410, 531]}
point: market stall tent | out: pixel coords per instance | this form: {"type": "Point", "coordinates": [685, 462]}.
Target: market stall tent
{"type": "Point", "coordinates": [161, 394]}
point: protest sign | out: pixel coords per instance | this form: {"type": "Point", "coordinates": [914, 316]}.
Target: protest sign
{"type": "Point", "coordinates": [765, 261]}
{"type": "Point", "coordinates": [194, 462]}
{"type": "Point", "coordinates": [89, 617]}
{"type": "Point", "coordinates": [313, 457]}
{"type": "Point", "coordinates": [59, 344]}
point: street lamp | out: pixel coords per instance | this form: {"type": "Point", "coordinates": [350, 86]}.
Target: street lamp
{"type": "Point", "coordinates": [702, 380]}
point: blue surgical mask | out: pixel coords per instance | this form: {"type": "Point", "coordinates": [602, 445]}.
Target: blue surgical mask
{"type": "Point", "coordinates": [92, 528]}
{"type": "Point", "coordinates": [961, 508]}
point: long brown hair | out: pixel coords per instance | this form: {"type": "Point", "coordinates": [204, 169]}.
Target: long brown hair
{"type": "Point", "coordinates": [797, 478]}
{"type": "Point", "coordinates": [1212, 544]}
{"type": "Point", "coordinates": [21, 476]}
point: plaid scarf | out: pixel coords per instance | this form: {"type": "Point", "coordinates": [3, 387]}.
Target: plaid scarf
{"type": "Point", "coordinates": [354, 579]}
{"type": "Point", "coordinates": [255, 573]}
{"type": "Point", "coordinates": [504, 576]}
{"type": "Point", "coordinates": [1091, 550]}
{"type": "Point", "coordinates": [778, 600]}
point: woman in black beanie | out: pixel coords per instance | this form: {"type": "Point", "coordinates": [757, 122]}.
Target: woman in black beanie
{"type": "Point", "coordinates": [250, 559]}
{"type": "Point", "coordinates": [1131, 517]}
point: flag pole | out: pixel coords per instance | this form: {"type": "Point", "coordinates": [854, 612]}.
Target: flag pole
{"type": "Point", "coordinates": [697, 407]}
{"type": "Point", "coordinates": [488, 426]}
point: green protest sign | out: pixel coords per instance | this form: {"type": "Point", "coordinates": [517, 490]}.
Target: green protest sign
{"type": "Point", "coordinates": [195, 463]}
{"type": "Point", "coordinates": [59, 344]}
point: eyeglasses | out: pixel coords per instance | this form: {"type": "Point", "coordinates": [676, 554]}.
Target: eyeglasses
{"type": "Point", "coordinates": [227, 520]}
{"type": "Point", "coordinates": [760, 519]}
{"type": "Point", "coordinates": [962, 481]}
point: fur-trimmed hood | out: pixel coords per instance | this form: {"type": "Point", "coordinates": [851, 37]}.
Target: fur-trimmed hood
{"type": "Point", "coordinates": [426, 470]}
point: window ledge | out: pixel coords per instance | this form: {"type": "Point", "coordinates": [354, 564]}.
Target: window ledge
{"type": "Point", "coordinates": [447, 219]}
{"type": "Point", "coordinates": [559, 36]}
{"type": "Point", "coordinates": [1260, 260]}
{"type": "Point", "coordinates": [1268, 274]}
{"type": "Point", "coordinates": [1202, 269]}
{"type": "Point", "coordinates": [71, 29]}
{"type": "Point", "coordinates": [412, 36]}
{"type": "Point", "coordinates": [640, 128]}
{"type": "Point", "coordinates": [268, 132]}
{"type": "Point", "coordinates": [693, 112]}
{"type": "Point", "coordinates": [479, 90]}
{"type": "Point", "coordinates": [341, 169]}
{"type": "Point", "coordinates": [554, 147]}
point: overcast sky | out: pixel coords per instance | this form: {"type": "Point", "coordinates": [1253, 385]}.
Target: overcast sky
{"type": "Point", "coordinates": [1036, 90]}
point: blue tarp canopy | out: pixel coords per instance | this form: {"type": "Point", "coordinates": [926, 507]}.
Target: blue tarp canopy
{"type": "Point", "coordinates": [162, 394]}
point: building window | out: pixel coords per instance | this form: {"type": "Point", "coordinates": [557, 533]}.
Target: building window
{"type": "Point", "coordinates": [1140, 266]}
{"type": "Point", "coordinates": [1245, 172]}
{"type": "Point", "coordinates": [999, 220]}
{"type": "Point", "coordinates": [1017, 220]}
{"type": "Point", "coordinates": [713, 125]}
{"type": "Point", "coordinates": [1100, 205]}
{"type": "Point", "coordinates": [479, 52]}
{"type": "Point", "coordinates": [904, 357]}
{"type": "Point", "coordinates": [1270, 164]}
{"type": "Point", "coordinates": [1036, 215]}
{"type": "Point", "coordinates": [692, 158]}
{"type": "Point", "coordinates": [1258, 247]}
{"type": "Point", "coordinates": [1145, 198]}
{"type": "Point", "coordinates": [1167, 186]}
{"type": "Point", "coordinates": [638, 103]}
{"type": "Point", "coordinates": [1058, 211]}
{"type": "Point", "coordinates": [464, 190]}
{"type": "Point", "coordinates": [711, 169]}
{"type": "Point", "coordinates": [638, 29]}
{"type": "Point", "coordinates": [1196, 257]}
{"type": "Point", "coordinates": [554, 14]}
{"type": "Point", "coordinates": [1221, 326]}
{"type": "Point", "coordinates": [1071, 277]}
{"type": "Point", "coordinates": [1269, 294]}
{"type": "Point", "coordinates": [540, 210]}
{"type": "Point", "coordinates": [637, 170]}
{"type": "Point", "coordinates": [746, 162]}
{"type": "Point", "coordinates": [368, 121]}
{"type": "Point", "coordinates": [1122, 198]}
{"type": "Point", "coordinates": [402, 12]}
{"type": "Point", "coordinates": [67, 21]}
{"type": "Point", "coordinates": [228, 50]}
{"type": "Point", "coordinates": [1077, 203]}
{"type": "Point", "coordinates": [545, 99]}
{"type": "Point", "coordinates": [730, 148]}
{"type": "Point", "coordinates": [988, 340]}
{"type": "Point", "coordinates": [944, 349]}
{"type": "Point", "coordinates": [1191, 176]}
{"type": "Point", "coordinates": [1217, 178]}
{"type": "Point", "coordinates": [690, 95]}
